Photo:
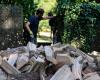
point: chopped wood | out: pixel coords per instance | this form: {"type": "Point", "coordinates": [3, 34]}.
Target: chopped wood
{"type": "Point", "coordinates": [50, 54]}
{"type": "Point", "coordinates": [64, 73]}
{"type": "Point", "coordinates": [87, 57]}
{"type": "Point", "coordinates": [3, 75]}
{"type": "Point", "coordinates": [12, 59]}
{"type": "Point", "coordinates": [78, 52]}
{"type": "Point", "coordinates": [56, 62]}
{"type": "Point", "coordinates": [26, 68]}
{"type": "Point", "coordinates": [56, 45]}
{"type": "Point", "coordinates": [61, 48]}
{"type": "Point", "coordinates": [8, 67]}
{"type": "Point", "coordinates": [32, 66]}
{"type": "Point", "coordinates": [31, 46]}
{"type": "Point", "coordinates": [98, 62]}
{"type": "Point", "coordinates": [22, 61]}
{"type": "Point", "coordinates": [91, 76]}
{"type": "Point", "coordinates": [40, 49]}
{"type": "Point", "coordinates": [37, 59]}
{"type": "Point", "coordinates": [35, 65]}
{"type": "Point", "coordinates": [42, 72]}
{"type": "Point", "coordinates": [64, 58]}
{"type": "Point", "coordinates": [77, 68]}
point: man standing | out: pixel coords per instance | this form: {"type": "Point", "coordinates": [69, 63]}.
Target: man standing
{"type": "Point", "coordinates": [32, 25]}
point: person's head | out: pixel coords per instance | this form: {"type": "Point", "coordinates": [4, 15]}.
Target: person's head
{"type": "Point", "coordinates": [40, 12]}
{"type": "Point", "coordinates": [50, 14]}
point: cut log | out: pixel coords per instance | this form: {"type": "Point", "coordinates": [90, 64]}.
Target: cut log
{"type": "Point", "coordinates": [3, 75]}
{"type": "Point", "coordinates": [0, 60]}
{"type": "Point", "coordinates": [91, 76]}
{"type": "Point", "coordinates": [61, 48]}
{"type": "Point", "coordinates": [26, 54]}
{"type": "Point", "coordinates": [35, 64]}
{"type": "Point", "coordinates": [32, 65]}
{"type": "Point", "coordinates": [40, 49]}
{"type": "Point", "coordinates": [26, 68]}
{"type": "Point", "coordinates": [78, 52]}
{"type": "Point", "coordinates": [12, 59]}
{"type": "Point", "coordinates": [56, 45]}
{"type": "Point", "coordinates": [77, 68]}
{"type": "Point", "coordinates": [37, 59]}
{"type": "Point", "coordinates": [98, 62]}
{"type": "Point", "coordinates": [87, 57]}
{"type": "Point", "coordinates": [64, 73]}
{"type": "Point", "coordinates": [64, 58]}
{"type": "Point", "coordinates": [31, 46]}
{"type": "Point", "coordinates": [42, 72]}
{"type": "Point", "coordinates": [8, 68]}
{"type": "Point", "coordinates": [22, 61]}
{"type": "Point", "coordinates": [50, 54]}
{"type": "Point", "coordinates": [88, 69]}
{"type": "Point", "coordinates": [57, 49]}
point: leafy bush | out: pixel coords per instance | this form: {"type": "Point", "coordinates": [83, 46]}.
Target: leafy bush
{"type": "Point", "coordinates": [80, 23]}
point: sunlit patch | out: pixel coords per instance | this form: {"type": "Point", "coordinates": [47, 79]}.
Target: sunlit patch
{"type": "Point", "coordinates": [8, 23]}
{"type": "Point", "coordinates": [2, 44]}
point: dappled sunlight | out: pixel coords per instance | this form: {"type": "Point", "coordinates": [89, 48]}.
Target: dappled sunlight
{"type": "Point", "coordinates": [8, 23]}
{"type": "Point", "coordinates": [47, 5]}
{"type": "Point", "coordinates": [44, 37]}
{"type": "Point", "coordinates": [11, 23]}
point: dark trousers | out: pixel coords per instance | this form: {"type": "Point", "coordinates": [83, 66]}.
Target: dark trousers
{"type": "Point", "coordinates": [28, 37]}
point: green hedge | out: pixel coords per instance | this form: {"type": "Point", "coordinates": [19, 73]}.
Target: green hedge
{"type": "Point", "coordinates": [80, 23]}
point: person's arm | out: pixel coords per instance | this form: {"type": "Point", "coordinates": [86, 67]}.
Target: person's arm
{"type": "Point", "coordinates": [28, 28]}
{"type": "Point", "coordinates": [47, 17]}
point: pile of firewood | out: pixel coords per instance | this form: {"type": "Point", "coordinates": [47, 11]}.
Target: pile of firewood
{"type": "Point", "coordinates": [55, 62]}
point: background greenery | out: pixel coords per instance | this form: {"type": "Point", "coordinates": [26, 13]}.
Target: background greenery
{"type": "Point", "coordinates": [29, 6]}
{"type": "Point", "coordinates": [81, 20]}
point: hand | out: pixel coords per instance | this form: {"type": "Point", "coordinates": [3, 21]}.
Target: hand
{"type": "Point", "coordinates": [31, 33]}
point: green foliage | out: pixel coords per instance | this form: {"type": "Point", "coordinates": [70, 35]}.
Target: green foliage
{"type": "Point", "coordinates": [80, 22]}
{"type": "Point", "coordinates": [44, 26]}
{"type": "Point", "coordinates": [47, 5]}
{"type": "Point", "coordinates": [29, 6]}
